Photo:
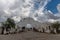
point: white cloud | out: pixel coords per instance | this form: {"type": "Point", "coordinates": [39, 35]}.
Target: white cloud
{"type": "Point", "coordinates": [26, 8]}
{"type": "Point", "coordinates": [58, 8]}
{"type": "Point", "coordinates": [10, 8]}
{"type": "Point", "coordinates": [21, 8]}
{"type": "Point", "coordinates": [52, 20]}
{"type": "Point", "coordinates": [16, 19]}
{"type": "Point", "coordinates": [18, 9]}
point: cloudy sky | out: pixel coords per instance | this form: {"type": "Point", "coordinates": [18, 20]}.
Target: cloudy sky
{"type": "Point", "coordinates": [39, 10]}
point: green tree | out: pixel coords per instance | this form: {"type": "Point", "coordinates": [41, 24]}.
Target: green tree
{"type": "Point", "coordinates": [8, 24]}
{"type": "Point", "coordinates": [56, 26]}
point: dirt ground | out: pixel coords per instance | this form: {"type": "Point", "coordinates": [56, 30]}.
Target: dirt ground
{"type": "Point", "coordinates": [30, 35]}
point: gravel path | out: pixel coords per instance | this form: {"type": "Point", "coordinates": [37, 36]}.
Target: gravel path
{"type": "Point", "coordinates": [30, 35]}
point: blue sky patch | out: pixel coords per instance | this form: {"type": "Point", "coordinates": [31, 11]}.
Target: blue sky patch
{"type": "Point", "coordinates": [52, 6]}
